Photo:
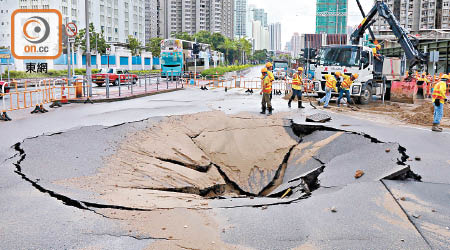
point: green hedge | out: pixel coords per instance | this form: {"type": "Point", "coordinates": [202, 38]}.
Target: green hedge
{"type": "Point", "coordinates": [142, 72]}
{"type": "Point", "coordinates": [224, 69]}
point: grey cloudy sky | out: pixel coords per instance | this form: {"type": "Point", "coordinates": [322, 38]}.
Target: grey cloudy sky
{"type": "Point", "coordinates": [300, 15]}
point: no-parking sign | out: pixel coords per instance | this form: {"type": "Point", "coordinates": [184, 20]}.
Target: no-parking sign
{"type": "Point", "coordinates": [71, 29]}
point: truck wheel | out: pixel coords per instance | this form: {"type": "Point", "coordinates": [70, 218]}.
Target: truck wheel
{"type": "Point", "coordinates": [366, 95]}
{"type": "Point", "coordinates": [116, 82]}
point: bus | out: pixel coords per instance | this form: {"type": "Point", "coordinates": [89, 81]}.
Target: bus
{"type": "Point", "coordinates": [177, 57]}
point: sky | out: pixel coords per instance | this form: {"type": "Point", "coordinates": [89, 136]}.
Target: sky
{"type": "Point", "coordinates": [300, 15]}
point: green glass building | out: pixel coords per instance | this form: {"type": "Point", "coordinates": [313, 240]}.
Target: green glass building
{"type": "Point", "coordinates": [331, 16]}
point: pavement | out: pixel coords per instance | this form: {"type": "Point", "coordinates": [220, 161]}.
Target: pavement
{"type": "Point", "coordinates": [342, 213]}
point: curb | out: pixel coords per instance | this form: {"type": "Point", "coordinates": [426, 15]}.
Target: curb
{"type": "Point", "coordinates": [126, 97]}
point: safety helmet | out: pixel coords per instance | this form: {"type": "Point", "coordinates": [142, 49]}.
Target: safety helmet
{"type": "Point", "coordinates": [300, 69]}
{"type": "Point", "coordinates": [337, 73]}
{"type": "Point", "coordinates": [424, 74]}
{"type": "Point", "coordinates": [264, 70]}
{"type": "Point", "coordinates": [268, 65]}
{"type": "Point", "coordinates": [447, 77]}
{"type": "Point", "coordinates": [355, 75]}
{"type": "Point", "coordinates": [378, 46]}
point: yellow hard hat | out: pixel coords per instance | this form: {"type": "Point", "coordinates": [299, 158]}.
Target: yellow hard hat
{"type": "Point", "coordinates": [268, 65]}
{"type": "Point", "coordinates": [355, 75]}
{"type": "Point", "coordinates": [445, 77]}
{"type": "Point", "coordinates": [337, 73]}
{"type": "Point", "coordinates": [264, 70]}
{"type": "Point", "coordinates": [300, 69]}
{"type": "Point", "coordinates": [378, 46]}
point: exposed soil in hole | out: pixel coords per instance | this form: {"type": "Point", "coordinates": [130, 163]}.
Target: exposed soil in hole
{"type": "Point", "coordinates": [213, 155]}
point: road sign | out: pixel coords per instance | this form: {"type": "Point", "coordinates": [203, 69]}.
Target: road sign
{"type": "Point", "coordinates": [434, 56]}
{"type": "Point", "coordinates": [5, 56]}
{"type": "Point", "coordinates": [71, 29]}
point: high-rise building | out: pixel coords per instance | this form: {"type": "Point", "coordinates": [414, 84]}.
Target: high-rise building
{"type": "Point", "coordinates": [193, 16]}
{"type": "Point", "coordinates": [240, 18]}
{"type": "Point", "coordinates": [296, 45]}
{"type": "Point", "coordinates": [424, 18]}
{"type": "Point", "coordinates": [331, 16]}
{"type": "Point", "coordinates": [260, 15]}
{"type": "Point", "coordinates": [275, 36]}
{"type": "Point", "coordinates": [117, 19]}
{"type": "Point", "coordinates": [151, 19]}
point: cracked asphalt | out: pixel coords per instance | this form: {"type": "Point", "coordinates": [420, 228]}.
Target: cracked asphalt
{"type": "Point", "coordinates": [37, 152]}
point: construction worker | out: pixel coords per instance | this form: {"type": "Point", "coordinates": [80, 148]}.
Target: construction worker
{"type": "Point", "coordinates": [345, 87]}
{"type": "Point", "coordinates": [297, 83]}
{"type": "Point", "coordinates": [375, 51]}
{"type": "Point", "coordinates": [266, 84]}
{"type": "Point", "coordinates": [439, 98]}
{"type": "Point", "coordinates": [329, 86]}
{"type": "Point", "coordinates": [269, 68]}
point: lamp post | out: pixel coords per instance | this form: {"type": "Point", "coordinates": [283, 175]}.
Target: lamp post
{"type": "Point", "coordinates": [88, 49]}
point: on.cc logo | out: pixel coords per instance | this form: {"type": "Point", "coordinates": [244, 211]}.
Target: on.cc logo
{"type": "Point", "coordinates": [36, 29]}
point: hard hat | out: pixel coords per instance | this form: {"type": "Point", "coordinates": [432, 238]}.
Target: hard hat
{"type": "Point", "coordinates": [337, 73]}
{"type": "Point", "coordinates": [264, 70]}
{"type": "Point", "coordinates": [424, 74]}
{"type": "Point", "coordinates": [355, 75]}
{"type": "Point", "coordinates": [300, 69]}
{"type": "Point", "coordinates": [445, 77]}
{"type": "Point", "coordinates": [268, 65]}
{"type": "Point", "coordinates": [378, 46]}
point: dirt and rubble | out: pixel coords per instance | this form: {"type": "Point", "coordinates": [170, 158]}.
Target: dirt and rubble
{"type": "Point", "coordinates": [160, 180]}
{"type": "Point", "coordinates": [420, 113]}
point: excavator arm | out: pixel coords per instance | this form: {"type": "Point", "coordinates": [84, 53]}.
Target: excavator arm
{"type": "Point", "coordinates": [413, 55]}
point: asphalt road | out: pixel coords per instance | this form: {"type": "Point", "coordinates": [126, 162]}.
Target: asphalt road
{"type": "Point", "coordinates": [371, 214]}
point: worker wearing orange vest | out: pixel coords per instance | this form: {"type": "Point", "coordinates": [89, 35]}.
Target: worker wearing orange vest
{"type": "Point", "coordinates": [439, 98]}
{"type": "Point", "coordinates": [266, 84]}
{"type": "Point", "coordinates": [329, 86]}
{"type": "Point", "coordinates": [297, 84]}
{"type": "Point", "coordinates": [269, 68]}
{"type": "Point", "coordinates": [345, 88]}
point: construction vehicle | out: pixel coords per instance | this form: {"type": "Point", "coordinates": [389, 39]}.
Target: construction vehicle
{"type": "Point", "coordinates": [376, 76]}
{"type": "Point", "coordinates": [280, 69]}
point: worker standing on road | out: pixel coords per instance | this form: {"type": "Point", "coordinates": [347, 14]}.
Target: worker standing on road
{"type": "Point", "coordinates": [297, 84]}
{"type": "Point", "coordinates": [345, 88]}
{"type": "Point", "coordinates": [439, 98]}
{"type": "Point", "coordinates": [330, 85]}
{"type": "Point", "coordinates": [269, 68]}
{"type": "Point", "coordinates": [266, 84]}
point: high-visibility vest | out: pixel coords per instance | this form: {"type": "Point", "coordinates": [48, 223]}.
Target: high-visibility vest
{"type": "Point", "coordinates": [267, 87]}
{"type": "Point", "coordinates": [270, 75]}
{"type": "Point", "coordinates": [331, 81]}
{"type": "Point", "coordinates": [346, 83]}
{"type": "Point", "coordinates": [297, 82]}
{"type": "Point", "coordinates": [439, 91]}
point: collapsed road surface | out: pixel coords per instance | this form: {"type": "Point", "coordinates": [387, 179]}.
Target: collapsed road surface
{"type": "Point", "coordinates": [211, 180]}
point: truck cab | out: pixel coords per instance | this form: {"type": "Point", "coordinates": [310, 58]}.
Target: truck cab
{"type": "Point", "coordinates": [350, 59]}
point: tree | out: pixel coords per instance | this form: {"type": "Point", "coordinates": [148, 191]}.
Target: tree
{"type": "Point", "coordinates": [94, 38]}
{"type": "Point", "coordinates": [134, 45]}
{"type": "Point", "coordinates": [260, 56]}
{"type": "Point", "coordinates": [228, 46]}
{"type": "Point", "coordinates": [183, 36]}
{"type": "Point", "coordinates": [203, 36]}
{"type": "Point", "coordinates": [217, 40]}
{"type": "Point", "coordinates": [155, 46]}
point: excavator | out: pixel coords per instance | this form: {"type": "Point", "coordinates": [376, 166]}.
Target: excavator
{"type": "Point", "coordinates": [405, 90]}
{"type": "Point", "coordinates": [379, 76]}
